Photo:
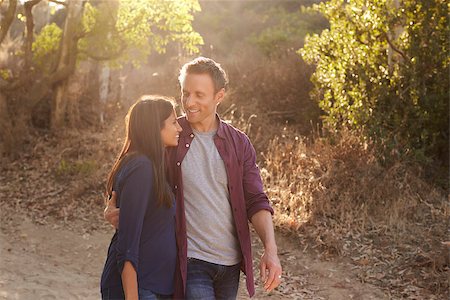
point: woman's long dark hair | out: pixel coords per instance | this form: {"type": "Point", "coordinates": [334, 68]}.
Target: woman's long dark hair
{"type": "Point", "coordinates": [144, 122]}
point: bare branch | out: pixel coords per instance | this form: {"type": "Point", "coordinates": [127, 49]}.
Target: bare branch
{"type": "Point", "coordinates": [58, 2]}
{"type": "Point", "coordinates": [286, 114]}
{"type": "Point", "coordinates": [8, 19]}
{"type": "Point", "coordinates": [395, 48]}
{"type": "Point", "coordinates": [28, 6]}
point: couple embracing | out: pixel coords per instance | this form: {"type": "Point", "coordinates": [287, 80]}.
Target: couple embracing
{"type": "Point", "coordinates": [183, 192]}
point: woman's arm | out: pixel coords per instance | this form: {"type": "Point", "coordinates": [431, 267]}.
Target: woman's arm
{"type": "Point", "coordinates": [129, 281]}
{"type": "Point", "coordinates": [135, 195]}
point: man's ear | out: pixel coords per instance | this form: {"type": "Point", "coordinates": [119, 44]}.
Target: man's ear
{"type": "Point", "coordinates": [220, 95]}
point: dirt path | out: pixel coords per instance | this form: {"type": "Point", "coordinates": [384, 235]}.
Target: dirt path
{"type": "Point", "coordinates": [306, 276]}
{"type": "Point", "coordinates": [54, 262]}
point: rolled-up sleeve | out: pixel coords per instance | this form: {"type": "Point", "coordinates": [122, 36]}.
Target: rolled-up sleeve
{"type": "Point", "coordinates": [255, 197]}
{"type": "Point", "coordinates": [137, 189]}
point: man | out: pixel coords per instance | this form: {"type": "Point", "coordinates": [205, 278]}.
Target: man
{"type": "Point", "coordinates": [218, 187]}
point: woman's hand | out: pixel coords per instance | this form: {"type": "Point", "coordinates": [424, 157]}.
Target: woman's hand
{"type": "Point", "coordinates": [111, 212]}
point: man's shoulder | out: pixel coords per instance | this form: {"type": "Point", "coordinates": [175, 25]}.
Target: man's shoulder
{"type": "Point", "coordinates": [229, 128]}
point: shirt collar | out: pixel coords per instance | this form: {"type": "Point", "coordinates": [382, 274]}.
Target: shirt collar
{"type": "Point", "coordinates": [221, 129]}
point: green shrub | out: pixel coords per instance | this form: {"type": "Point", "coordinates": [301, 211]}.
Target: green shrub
{"type": "Point", "coordinates": [72, 168]}
{"type": "Point", "coordinates": [383, 68]}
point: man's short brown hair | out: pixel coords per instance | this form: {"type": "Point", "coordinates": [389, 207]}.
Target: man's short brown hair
{"type": "Point", "coordinates": [204, 65]}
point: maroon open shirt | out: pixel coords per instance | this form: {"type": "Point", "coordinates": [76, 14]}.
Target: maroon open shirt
{"type": "Point", "coordinates": [244, 186]}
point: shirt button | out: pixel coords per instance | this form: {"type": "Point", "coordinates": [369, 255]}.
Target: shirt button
{"type": "Point", "coordinates": [178, 163]}
{"type": "Point", "coordinates": [192, 135]}
{"type": "Point", "coordinates": [176, 186]}
{"type": "Point", "coordinates": [187, 145]}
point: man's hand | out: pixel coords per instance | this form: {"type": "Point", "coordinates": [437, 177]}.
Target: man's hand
{"type": "Point", "coordinates": [269, 266]}
{"type": "Point", "coordinates": [270, 269]}
{"type": "Point", "coordinates": [111, 212]}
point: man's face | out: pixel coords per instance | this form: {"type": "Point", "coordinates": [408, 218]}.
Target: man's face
{"type": "Point", "coordinates": [199, 101]}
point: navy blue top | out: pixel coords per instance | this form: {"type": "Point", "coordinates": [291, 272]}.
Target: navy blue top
{"type": "Point", "coordinates": [146, 233]}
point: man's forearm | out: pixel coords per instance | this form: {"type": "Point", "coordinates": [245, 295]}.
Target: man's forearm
{"type": "Point", "coordinates": [262, 222]}
{"type": "Point", "coordinates": [270, 267]}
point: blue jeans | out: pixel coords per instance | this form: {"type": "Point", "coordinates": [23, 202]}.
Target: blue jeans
{"type": "Point", "coordinates": [117, 294]}
{"type": "Point", "coordinates": [149, 295]}
{"type": "Point", "coordinates": [211, 281]}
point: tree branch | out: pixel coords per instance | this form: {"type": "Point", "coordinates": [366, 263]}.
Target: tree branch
{"type": "Point", "coordinates": [8, 19]}
{"type": "Point", "coordinates": [58, 2]}
{"type": "Point", "coordinates": [28, 6]}
{"type": "Point", "coordinates": [395, 48]}
{"type": "Point", "coordinates": [67, 70]}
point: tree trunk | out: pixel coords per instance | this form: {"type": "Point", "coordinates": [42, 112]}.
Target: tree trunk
{"type": "Point", "coordinates": [67, 51]}
{"type": "Point", "coordinates": [103, 89]}
{"type": "Point", "coordinates": [7, 140]}
{"type": "Point", "coordinates": [7, 19]}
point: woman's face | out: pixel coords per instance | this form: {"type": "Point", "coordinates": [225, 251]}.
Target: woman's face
{"type": "Point", "coordinates": [171, 131]}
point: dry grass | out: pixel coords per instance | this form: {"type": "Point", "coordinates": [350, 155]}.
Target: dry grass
{"type": "Point", "coordinates": [333, 192]}
{"type": "Point", "coordinates": [60, 177]}
{"type": "Point", "coordinates": [388, 220]}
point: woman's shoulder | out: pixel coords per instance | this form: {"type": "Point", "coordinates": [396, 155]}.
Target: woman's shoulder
{"type": "Point", "coordinates": [138, 160]}
{"type": "Point", "coordinates": [134, 169]}
{"type": "Point", "coordinates": [136, 163]}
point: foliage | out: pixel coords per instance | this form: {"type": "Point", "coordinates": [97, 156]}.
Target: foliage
{"type": "Point", "coordinates": [286, 29]}
{"type": "Point", "coordinates": [70, 168]}
{"type": "Point", "coordinates": [4, 74]}
{"type": "Point", "coordinates": [269, 83]}
{"type": "Point", "coordinates": [46, 44]}
{"type": "Point", "coordinates": [119, 31]}
{"type": "Point", "coordinates": [383, 68]}
{"type": "Point", "coordinates": [271, 27]}
{"type": "Point", "coordinates": [140, 26]}
{"type": "Point", "coordinates": [52, 41]}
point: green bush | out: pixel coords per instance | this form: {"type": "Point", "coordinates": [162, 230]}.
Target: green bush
{"type": "Point", "coordinates": [383, 68]}
{"type": "Point", "coordinates": [68, 168]}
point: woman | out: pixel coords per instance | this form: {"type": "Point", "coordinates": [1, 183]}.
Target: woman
{"type": "Point", "coordinates": [142, 254]}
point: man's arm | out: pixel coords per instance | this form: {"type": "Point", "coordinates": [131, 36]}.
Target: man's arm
{"type": "Point", "coordinates": [260, 215]}
{"type": "Point", "coordinates": [111, 212]}
{"type": "Point", "coordinates": [270, 266]}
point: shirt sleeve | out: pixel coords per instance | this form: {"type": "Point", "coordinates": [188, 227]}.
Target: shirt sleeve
{"type": "Point", "coordinates": [255, 197]}
{"type": "Point", "coordinates": [137, 190]}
